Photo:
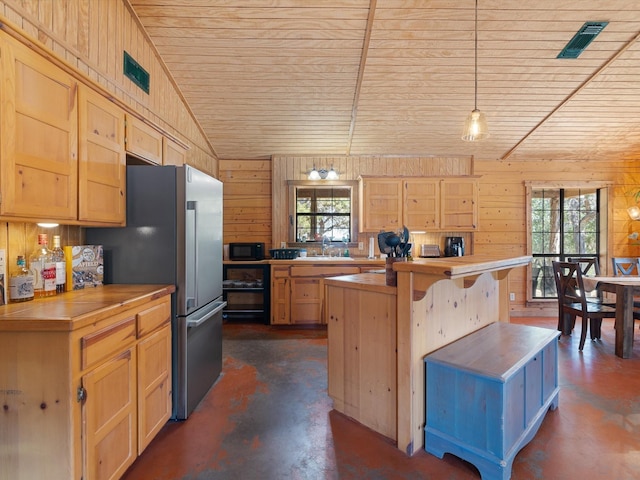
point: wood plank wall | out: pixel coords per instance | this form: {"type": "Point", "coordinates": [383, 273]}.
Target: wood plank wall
{"type": "Point", "coordinates": [247, 200]}
{"type": "Point", "coordinates": [350, 168]}
{"type": "Point", "coordinates": [502, 209]}
{"type": "Point", "coordinates": [502, 201]}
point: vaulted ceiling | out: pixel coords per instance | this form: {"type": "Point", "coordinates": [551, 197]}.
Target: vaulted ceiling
{"type": "Point", "coordinates": [396, 77]}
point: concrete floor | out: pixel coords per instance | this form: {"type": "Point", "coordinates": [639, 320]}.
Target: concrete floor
{"type": "Point", "coordinates": [269, 417]}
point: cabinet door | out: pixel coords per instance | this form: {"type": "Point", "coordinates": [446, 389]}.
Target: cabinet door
{"type": "Point", "coordinates": [102, 160]}
{"type": "Point", "coordinates": [154, 385]}
{"type": "Point", "coordinates": [459, 204]}
{"type": "Point", "coordinates": [38, 138]}
{"type": "Point", "coordinates": [380, 204]}
{"type": "Point", "coordinates": [306, 300]}
{"type": "Point", "coordinates": [109, 417]}
{"type": "Point", "coordinates": [143, 141]}
{"type": "Point", "coordinates": [280, 296]}
{"type": "Point", "coordinates": [172, 153]}
{"type": "Point", "coordinates": [421, 204]}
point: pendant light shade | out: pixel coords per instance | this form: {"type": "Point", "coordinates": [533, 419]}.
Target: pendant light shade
{"type": "Point", "coordinates": [475, 127]}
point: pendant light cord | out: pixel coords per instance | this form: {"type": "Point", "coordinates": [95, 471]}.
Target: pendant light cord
{"type": "Point", "coordinates": [475, 99]}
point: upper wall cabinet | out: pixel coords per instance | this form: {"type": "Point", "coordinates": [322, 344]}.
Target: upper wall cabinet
{"type": "Point", "coordinates": [143, 141]}
{"type": "Point", "coordinates": [459, 204]}
{"type": "Point", "coordinates": [422, 204]}
{"type": "Point", "coordinates": [172, 153]}
{"type": "Point", "coordinates": [102, 165]}
{"type": "Point", "coordinates": [38, 137]}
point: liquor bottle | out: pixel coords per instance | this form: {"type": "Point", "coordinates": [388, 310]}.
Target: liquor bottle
{"type": "Point", "coordinates": [43, 269]}
{"type": "Point", "coordinates": [61, 266]}
{"type": "Point", "coordinates": [21, 283]}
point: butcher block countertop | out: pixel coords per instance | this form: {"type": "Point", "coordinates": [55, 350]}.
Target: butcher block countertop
{"type": "Point", "coordinates": [73, 310]}
{"type": "Point", "coordinates": [456, 267]}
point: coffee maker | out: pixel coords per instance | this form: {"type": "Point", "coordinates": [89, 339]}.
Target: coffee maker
{"type": "Point", "coordinates": [454, 247]}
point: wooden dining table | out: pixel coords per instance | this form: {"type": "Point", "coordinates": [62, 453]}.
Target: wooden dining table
{"type": "Point", "coordinates": [625, 287]}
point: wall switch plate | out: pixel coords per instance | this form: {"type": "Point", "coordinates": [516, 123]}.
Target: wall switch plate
{"type": "Point", "coordinates": [360, 245]}
{"type": "Point", "coordinates": [512, 297]}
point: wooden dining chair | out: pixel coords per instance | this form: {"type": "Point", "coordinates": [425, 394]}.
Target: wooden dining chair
{"type": "Point", "coordinates": [572, 303]}
{"type": "Point", "coordinates": [590, 267]}
{"type": "Point", "coordinates": [625, 265]}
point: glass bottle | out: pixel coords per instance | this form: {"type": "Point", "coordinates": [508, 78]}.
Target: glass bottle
{"type": "Point", "coordinates": [21, 283]}
{"type": "Point", "coordinates": [43, 269]}
{"type": "Point", "coordinates": [61, 266]}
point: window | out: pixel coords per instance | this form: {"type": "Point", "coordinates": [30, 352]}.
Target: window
{"type": "Point", "coordinates": [322, 211]}
{"type": "Point", "coordinates": [564, 222]}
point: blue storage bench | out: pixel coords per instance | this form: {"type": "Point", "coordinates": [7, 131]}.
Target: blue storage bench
{"type": "Point", "coordinates": [488, 393]}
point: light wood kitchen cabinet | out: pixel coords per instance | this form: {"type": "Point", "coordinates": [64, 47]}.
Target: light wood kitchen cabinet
{"type": "Point", "coordinates": [280, 295]}
{"type": "Point", "coordinates": [380, 204]}
{"type": "Point", "coordinates": [89, 381]}
{"type": "Point", "coordinates": [298, 291]}
{"type": "Point", "coordinates": [459, 200]}
{"type": "Point", "coordinates": [173, 153]}
{"type": "Point", "coordinates": [154, 383]}
{"type": "Point", "coordinates": [422, 204]}
{"type": "Point", "coordinates": [143, 141]}
{"type": "Point", "coordinates": [102, 159]}
{"type": "Point", "coordinates": [109, 416]}
{"type": "Point", "coordinates": [38, 138]}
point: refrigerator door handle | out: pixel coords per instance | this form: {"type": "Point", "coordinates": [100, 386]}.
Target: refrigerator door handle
{"type": "Point", "coordinates": [191, 226]}
{"type": "Point", "coordinates": [199, 321]}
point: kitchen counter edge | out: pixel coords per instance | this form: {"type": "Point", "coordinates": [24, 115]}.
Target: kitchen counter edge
{"type": "Point", "coordinates": [76, 309]}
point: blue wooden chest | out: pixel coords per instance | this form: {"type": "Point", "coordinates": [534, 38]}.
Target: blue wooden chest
{"type": "Point", "coordinates": [488, 393]}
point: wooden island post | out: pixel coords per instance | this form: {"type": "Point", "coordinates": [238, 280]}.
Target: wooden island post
{"type": "Point", "coordinates": [437, 301]}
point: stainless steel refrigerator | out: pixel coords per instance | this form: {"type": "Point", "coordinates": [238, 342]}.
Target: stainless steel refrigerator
{"type": "Point", "coordinates": [174, 236]}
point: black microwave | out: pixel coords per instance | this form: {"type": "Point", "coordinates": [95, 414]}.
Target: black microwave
{"type": "Point", "coordinates": [246, 251]}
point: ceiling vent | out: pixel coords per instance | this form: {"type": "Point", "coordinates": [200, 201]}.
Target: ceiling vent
{"type": "Point", "coordinates": [582, 39]}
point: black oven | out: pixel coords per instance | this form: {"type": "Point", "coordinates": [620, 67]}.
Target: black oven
{"type": "Point", "coordinates": [246, 251]}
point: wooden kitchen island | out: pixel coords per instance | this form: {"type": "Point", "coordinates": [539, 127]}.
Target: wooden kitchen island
{"type": "Point", "coordinates": [379, 335]}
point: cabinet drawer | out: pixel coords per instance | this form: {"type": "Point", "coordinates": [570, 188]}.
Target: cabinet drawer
{"type": "Point", "coordinates": [153, 317]}
{"type": "Point", "coordinates": [313, 271]}
{"type": "Point", "coordinates": [99, 345]}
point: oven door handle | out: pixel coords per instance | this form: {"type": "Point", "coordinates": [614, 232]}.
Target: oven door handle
{"type": "Point", "coordinates": [196, 322]}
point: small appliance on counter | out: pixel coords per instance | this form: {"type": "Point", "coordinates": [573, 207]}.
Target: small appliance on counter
{"type": "Point", "coordinates": [246, 252]}
{"type": "Point", "coordinates": [429, 251]}
{"type": "Point", "coordinates": [454, 247]}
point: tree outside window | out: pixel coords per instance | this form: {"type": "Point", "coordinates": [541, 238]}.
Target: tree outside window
{"type": "Point", "coordinates": [323, 212]}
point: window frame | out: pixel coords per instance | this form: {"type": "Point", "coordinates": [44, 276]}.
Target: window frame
{"type": "Point", "coordinates": [603, 216]}
{"type": "Point", "coordinates": [293, 185]}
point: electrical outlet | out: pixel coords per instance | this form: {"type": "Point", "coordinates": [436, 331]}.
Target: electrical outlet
{"type": "Point", "coordinates": [360, 245]}
{"type": "Point", "coordinates": [512, 297]}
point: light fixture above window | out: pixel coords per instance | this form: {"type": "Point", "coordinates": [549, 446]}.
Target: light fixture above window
{"type": "Point", "coordinates": [314, 174]}
{"type": "Point", "coordinates": [634, 212]}
{"type": "Point", "coordinates": [475, 127]}
{"type": "Point", "coordinates": [323, 174]}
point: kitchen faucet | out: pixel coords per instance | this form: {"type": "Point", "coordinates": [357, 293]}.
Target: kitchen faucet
{"type": "Point", "coordinates": [324, 247]}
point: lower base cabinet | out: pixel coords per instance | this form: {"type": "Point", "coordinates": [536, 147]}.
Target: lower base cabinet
{"type": "Point", "coordinates": [297, 292]}
{"type": "Point", "coordinates": [83, 404]}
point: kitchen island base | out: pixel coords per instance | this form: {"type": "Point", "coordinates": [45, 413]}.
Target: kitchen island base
{"type": "Point", "coordinates": [378, 335]}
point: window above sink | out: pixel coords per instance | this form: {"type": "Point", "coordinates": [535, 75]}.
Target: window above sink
{"type": "Point", "coordinates": [322, 212]}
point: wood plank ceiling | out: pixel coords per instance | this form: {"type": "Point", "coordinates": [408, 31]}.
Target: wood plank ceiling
{"type": "Point", "coordinates": [396, 77]}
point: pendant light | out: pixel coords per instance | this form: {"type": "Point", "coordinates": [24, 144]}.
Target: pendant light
{"type": "Point", "coordinates": [475, 127]}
